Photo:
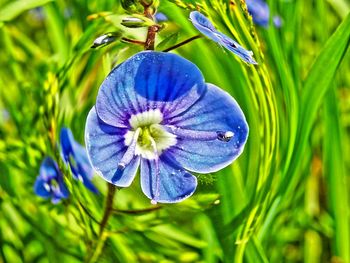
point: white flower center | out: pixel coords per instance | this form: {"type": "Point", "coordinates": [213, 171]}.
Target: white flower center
{"type": "Point", "coordinates": [153, 138]}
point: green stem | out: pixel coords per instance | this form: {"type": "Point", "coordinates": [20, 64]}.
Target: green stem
{"type": "Point", "coordinates": [102, 237]}
{"type": "Point", "coordinates": [133, 41]}
{"type": "Point", "coordinates": [136, 212]}
{"type": "Point", "coordinates": [152, 30]}
{"type": "Point", "coordinates": [108, 207]}
{"type": "Point", "coordinates": [182, 43]}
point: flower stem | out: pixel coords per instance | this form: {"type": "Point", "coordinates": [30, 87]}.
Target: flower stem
{"type": "Point", "coordinates": [133, 41]}
{"type": "Point", "coordinates": [97, 248]}
{"type": "Point", "coordinates": [182, 43]}
{"type": "Point", "coordinates": [152, 30]}
{"type": "Point", "coordinates": [138, 211]}
{"type": "Point", "coordinates": [108, 207]}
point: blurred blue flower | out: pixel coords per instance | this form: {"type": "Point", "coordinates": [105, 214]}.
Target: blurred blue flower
{"type": "Point", "coordinates": [203, 24]}
{"type": "Point", "coordinates": [260, 12]}
{"type": "Point", "coordinates": [155, 111]}
{"type": "Point", "coordinates": [160, 17]}
{"type": "Point", "coordinates": [277, 21]}
{"type": "Point", "coordinates": [49, 183]}
{"type": "Point", "coordinates": [75, 156]}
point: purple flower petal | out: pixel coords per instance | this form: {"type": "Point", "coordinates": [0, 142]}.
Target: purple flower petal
{"type": "Point", "coordinates": [75, 156]}
{"type": "Point", "coordinates": [105, 146]}
{"type": "Point", "coordinates": [147, 81]}
{"type": "Point", "coordinates": [165, 182]}
{"type": "Point", "coordinates": [204, 26]}
{"type": "Point", "coordinates": [50, 182]}
{"type": "Point", "coordinates": [216, 111]}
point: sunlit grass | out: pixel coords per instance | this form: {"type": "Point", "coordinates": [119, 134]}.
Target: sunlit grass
{"type": "Point", "coordinates": [286, 199]}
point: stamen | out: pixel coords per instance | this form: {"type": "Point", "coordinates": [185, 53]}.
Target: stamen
{"type": "Point", "coordinates": [224, 136]}
{"type": "Point", "coordinates": [156, 195]}
{"type": "Point", "coordinates": [127, 157]}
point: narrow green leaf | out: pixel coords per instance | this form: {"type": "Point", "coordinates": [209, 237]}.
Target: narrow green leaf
{"type": "Point", "coordinates": [315, 87]}
{"type": "Point", "coordinates": [336, 177]}
{"type": "Point", "coordinates": [14, 9]}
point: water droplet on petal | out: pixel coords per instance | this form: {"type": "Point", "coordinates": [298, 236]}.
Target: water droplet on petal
{"type": "Point", "coordinates": [224, 136]}
{"type": "Point", "coordinates": [153, 202]}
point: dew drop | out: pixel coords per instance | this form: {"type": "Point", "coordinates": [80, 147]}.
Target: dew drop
{"type": "Point", "coordinates": [224, 136]}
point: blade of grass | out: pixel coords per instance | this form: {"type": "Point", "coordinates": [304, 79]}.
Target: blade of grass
{"type": "Point", "coordinates": [321, 75]}
{"type": "Point", "coordinates": [336, 176]}
{"type": "Point", "coordinates": [14, 9]}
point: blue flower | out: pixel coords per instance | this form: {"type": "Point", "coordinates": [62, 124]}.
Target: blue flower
{"type": "Point", "coordinates": [260, 12]}
{"type": "Point", "coordinates": [49, 183]}
{"type": "Point", "coordinates": [203, 24]}
{"type": "Point", "coordinates": [160, 17]}
{"type": "Point", "coordinates": [155, 111]}
{"type": "Point", "coordinates": [75, 156]}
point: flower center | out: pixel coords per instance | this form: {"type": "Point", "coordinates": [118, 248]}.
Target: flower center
{"type": "Point", "coordinates": [152, 136]}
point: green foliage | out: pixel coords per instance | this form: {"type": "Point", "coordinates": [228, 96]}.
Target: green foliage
{"type": "Point", "coordinates": [286, 199]}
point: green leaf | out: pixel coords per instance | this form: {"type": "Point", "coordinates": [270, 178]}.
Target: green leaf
{"type": "Point", "coordinates": [316, 85]}
{"type": "Point", "coordinates": [14, 9]}
{"type": "Point", "coordinates": [335, 171]}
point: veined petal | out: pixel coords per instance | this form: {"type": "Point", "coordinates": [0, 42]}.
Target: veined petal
{"type": "Point", "coordinates": [204, 26]}
{"type": "Point", "coordinates": [166, 182]}
{"type": "Point", "coordinates": [216, 111]}
{"type": "Point", "coordinates": [148, 80]}
{"type": "Point", "coordinates": [106, 147]}
{"type": "Point", "coordinates": [235, 48]}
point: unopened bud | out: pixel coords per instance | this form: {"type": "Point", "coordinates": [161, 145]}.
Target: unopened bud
{"type": "Point", "coordinates": [104, 40]}
{"type": "Point", "coordinates": [136, 22]}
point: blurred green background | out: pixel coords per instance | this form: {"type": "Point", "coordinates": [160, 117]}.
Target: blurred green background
{"type": "Point", "coordinates": [286, 199]}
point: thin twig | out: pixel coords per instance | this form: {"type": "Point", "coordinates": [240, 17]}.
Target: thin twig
{"type": "Point", "coordinates": [133, 41]}
{"type": "Point", "coordinates": [99, 244]}
{"type": "Point", "coordinates": [108, 207]}
{"type": "Point", "coordinates": [88, 213]}
{"type": "Point", "coordinates": [152, 30]}
{"type": "Point", "coordinates": [136, 212]}
{"type": "Point", "coordinates": [182, 43]}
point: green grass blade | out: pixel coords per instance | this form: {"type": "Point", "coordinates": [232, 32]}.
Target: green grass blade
{"type": "Point", "coordinates": [337, 178]}
{"type": "Point", "coordinates": [315, 87]}
{"type": "Point", "coordinates": [14, 9]}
